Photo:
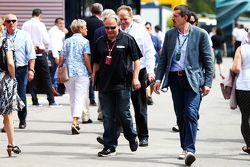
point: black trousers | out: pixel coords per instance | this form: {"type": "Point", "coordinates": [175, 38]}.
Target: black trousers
{"type": "Point", "coordinates": [243, 100]}
{"type": "Point", "coordinates": [139, 100]}
{"type": "Point", "coordinates": [42, 75]}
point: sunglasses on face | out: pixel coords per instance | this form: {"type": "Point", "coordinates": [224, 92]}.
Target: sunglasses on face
{"type": "Point", "coordinates": [192, 22]}
{"type": "Point", "coordinates": [110, 28]}
{"type": "Point", "coordinates": [8, 21]}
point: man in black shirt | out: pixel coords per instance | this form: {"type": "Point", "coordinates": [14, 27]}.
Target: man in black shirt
{"type": "Point", "coordinates": [116, 58]}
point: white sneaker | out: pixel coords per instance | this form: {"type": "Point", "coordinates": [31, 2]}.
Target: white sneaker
{"type": "Point", "coordinates": [190, 158]}
{"type": "Point", "coordinates": [182, 155]}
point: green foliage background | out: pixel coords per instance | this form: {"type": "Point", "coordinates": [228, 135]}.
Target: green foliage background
{"type": "Point", "coordinates": [201, 6]}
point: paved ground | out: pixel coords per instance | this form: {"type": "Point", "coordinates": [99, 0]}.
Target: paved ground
{"type": "Point", "coordinates": [47, 141]}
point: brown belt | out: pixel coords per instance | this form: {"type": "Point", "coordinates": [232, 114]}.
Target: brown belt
{"type": "Point", "coordinates": [38, 50]}
{"type": "Point", "coordinates": [178, 73]}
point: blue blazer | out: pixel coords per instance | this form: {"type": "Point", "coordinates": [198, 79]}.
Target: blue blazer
{"type": "Point", "coordinates": [198, 62]}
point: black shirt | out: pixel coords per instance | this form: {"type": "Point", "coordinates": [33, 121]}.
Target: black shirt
{"type": "Point", "coordinates": [218, 41]}
{"type": "Point", "coordinates": [118, 74]}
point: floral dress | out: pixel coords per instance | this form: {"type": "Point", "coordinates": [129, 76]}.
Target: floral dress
{"type": "Point", "coordinates": [9, 100]}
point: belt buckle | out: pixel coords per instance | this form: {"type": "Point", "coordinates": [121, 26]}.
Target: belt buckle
{"type": "Point", "coordinates": [179, 73]}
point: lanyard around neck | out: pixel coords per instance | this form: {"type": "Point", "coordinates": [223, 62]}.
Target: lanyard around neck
{"type": "Point", "coordinates": [12, 37]}
{"type": "Point", "coordinates": [110, 49]}
{"type": "Point", "coordinates": [179, 43]}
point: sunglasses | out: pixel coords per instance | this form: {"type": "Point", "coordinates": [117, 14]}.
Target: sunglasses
{"type": "Point", "coordinates": [192, 22]}
{"type": "Point", "coordinates": [110, 28]}
{"type": "Point", "coordinates": [8, 21]}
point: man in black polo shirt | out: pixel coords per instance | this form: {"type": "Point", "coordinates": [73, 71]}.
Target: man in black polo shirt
{"type": "Point", "coordinates": [116, 58]}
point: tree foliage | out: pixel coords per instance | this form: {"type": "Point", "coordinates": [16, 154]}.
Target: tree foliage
{"type": "Point", "coordinates": [202, 6]}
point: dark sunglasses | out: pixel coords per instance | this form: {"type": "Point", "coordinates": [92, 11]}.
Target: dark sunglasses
{"type": "Point", "coordinates": [192, 22]}
{"type": "Point", "coordinates": [8, 21]}
{"type": "Point", "coordinates": [112, 28]}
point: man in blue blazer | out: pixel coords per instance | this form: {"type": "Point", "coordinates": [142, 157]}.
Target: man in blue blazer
{"type": "Point", "coordinates": [187, 65]}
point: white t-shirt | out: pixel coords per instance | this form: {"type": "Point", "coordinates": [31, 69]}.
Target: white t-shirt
{"type": "Point", "coordinates": [243, 81]}
{"type": "Point", "coordinates": [239, 34]}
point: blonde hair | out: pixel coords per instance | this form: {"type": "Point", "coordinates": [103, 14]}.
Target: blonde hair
{"type": "Point", "coordinates": [1, 26]}
{"type": "Point", "coordinates": [127, 8]}
{"type": "Point", "coordinates": [77, 24]}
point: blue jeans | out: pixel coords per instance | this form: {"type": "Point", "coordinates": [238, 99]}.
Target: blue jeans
{"type": "Point", "coordinates": [115, 106]}
{"type": "Point", "coordinates": [186, 106]}
{"type": "Point", "coordinates": [22, 80]}
{"type": "Point", "coordinates": [53, 70]}
{"type": "Point", "coordinates": [91, 91]}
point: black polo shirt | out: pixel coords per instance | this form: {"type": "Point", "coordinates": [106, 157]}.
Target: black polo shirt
{"type": "Point", "coordinates": [118, 74]}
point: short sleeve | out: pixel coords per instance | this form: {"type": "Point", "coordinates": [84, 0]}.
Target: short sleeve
{"type": "Point", "coordinates": [135, 50]}
{"type": "Point", "coordinates": [87, 47]}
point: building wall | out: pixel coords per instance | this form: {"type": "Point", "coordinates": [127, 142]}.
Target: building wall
{"type": "Point", "coordinates": [23, 9]}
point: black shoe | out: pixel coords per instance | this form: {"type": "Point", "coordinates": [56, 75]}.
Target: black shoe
{"type": "Point", "coordinates": [150, 100]}
{"type": "Point", "coordinates": [14, 149]}
{"type": "Point", "coordinates": [133, 145]}
{"type": "Point", "coordinates": [75, 129]}
{"type": "Point", "coordinates": [54, 104]}
{"type": "Point", "coordinates": [89, 121]}
{"type": "Point", "coordinates": [143, 142]}
{"type": "Point", "coordinates": [106, 152]}
{"type": "Point", "coordinates": [3, 130]}
{"type": "Point", "coordinates": [100, 140]}
{"type": "Point", "coordinates": [92, 103]}
{"type": "Point", "coordinates": [22, 125]}
{"type": "Point", "coordinates": [190, 158]}
{"type": "Point", "coordinates": [37, 105]}
{"type": "Point", "coordinates": [175, 128]}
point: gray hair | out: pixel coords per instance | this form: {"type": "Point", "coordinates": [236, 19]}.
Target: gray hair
{"type": "Point", "coordinates": [77, 24]}
{"type": "Point", "coordinates": [107, 12]}
{"type": "Point", "coordinates": [96, 8]}
{"type": "Point", "coordinates": [114, 16]}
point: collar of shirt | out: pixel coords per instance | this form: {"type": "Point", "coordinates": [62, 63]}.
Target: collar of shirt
{"type": "Point", "coordinates": [127, 29]}
{"type": "Point", "coordinates": [187, 33]}
{"type": "Point", "coordinates": [77, 34]}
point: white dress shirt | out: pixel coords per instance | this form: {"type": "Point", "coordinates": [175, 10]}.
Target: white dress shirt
{"type": "Point", "coordinates": [37, 31]}
{"type": "Point", "coordinates": [57, 37]}
{"type": "Point", "coordinates": [145, 44]}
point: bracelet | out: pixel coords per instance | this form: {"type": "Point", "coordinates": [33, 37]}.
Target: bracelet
{"type": "Point", "coordinates": [32, 70]}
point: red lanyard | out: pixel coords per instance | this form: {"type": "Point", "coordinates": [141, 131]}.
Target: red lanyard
{"type": "Point", "coordinates": [110, 49]}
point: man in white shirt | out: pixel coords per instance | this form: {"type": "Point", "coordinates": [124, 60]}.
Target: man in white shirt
{"type": "Point", "coordinates": [238, 35]}
{"type": "Point", "coordinates": [57, 36]}
{"type": "Point", "coordinates": [139, 97]}
{"type": "Point", "coordinates": [40, 38]}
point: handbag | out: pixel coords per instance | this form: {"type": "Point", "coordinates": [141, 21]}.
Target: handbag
{"type": "Point", "coordinates": [63, 74]}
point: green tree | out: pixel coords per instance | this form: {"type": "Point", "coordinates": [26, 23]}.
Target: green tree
{"type": "Point", "coordinates": [201, 6]}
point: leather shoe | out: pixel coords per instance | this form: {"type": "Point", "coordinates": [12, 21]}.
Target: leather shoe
{"type": "Point", "coordinates": [89, 121]}
{"type": "Point", "coordinates": [143, 142]}
{"type": "Point", "coordinates": [22, 125]}
{"type": "Point", "coordinates": [133, 145]}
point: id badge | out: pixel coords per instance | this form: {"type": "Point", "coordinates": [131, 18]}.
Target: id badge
{"type": "Point", "coordinates": [178, 56]}
{"type": "Point", "coordinates": [108, 60]}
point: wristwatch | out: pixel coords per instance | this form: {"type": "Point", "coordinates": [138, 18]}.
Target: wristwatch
{"type": "Point", "coordinates": [32, 70]}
